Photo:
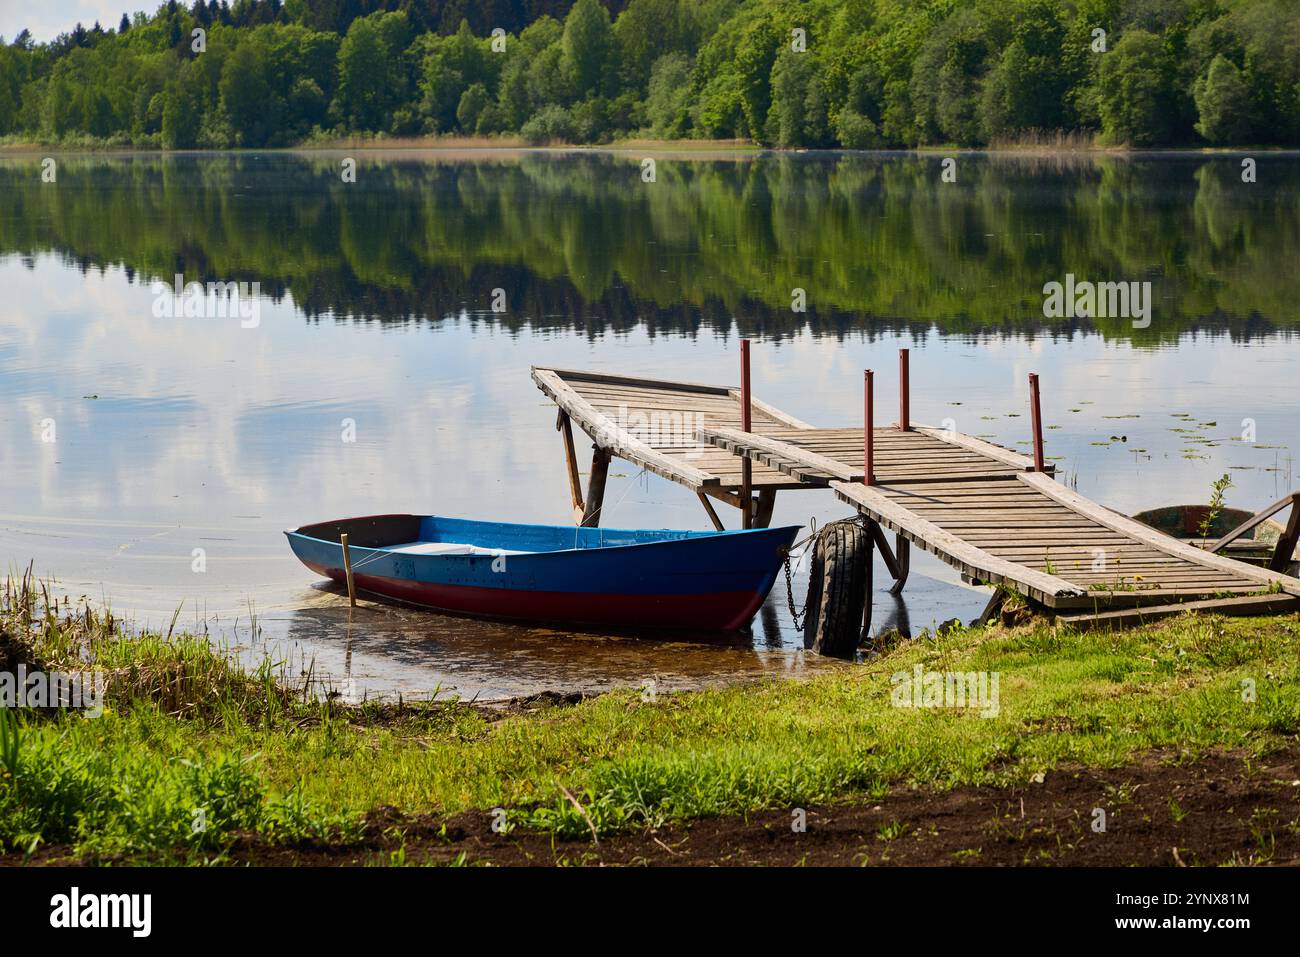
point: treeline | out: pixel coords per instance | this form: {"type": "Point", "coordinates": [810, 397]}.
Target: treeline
{"type": "Point", "coordinates": [819, 73]}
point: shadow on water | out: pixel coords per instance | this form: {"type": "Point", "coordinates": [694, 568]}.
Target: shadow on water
{"type": "Point", "coordinates": [896, 619]}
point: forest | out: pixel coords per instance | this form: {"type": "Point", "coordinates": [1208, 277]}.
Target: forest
{"type": "Point", "coordinates": [854, 74]}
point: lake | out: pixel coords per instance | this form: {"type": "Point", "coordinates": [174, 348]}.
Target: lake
{"type": "Point", "coordinates": [128, 440]}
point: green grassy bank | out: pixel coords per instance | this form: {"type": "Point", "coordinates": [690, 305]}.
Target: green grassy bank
{"type": "Point", "coordinates": [191, 754]}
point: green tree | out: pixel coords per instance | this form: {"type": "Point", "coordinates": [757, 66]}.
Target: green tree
{"type": "Point", "coordinates": [59, 106]}
{"type": "Point", "coordinates": [308, 104]}
{"type": "Point", "coordinates": [669, 94]}
{"type": "Point", "coordinates": [183, 103]}
{"type": "Point", "coordinates": [1223, 104]}
{"type": "Point", "coordinates": [855, 131]}
{"type": "Point", "coordinates": [797, 116]}
{"type": "Point", "coordinates": [530, 74]}
{"type": "Point", "coordinates": [784, 124]}
{"type": "Point", "coordinates": [473, 102]}
{"type": "Point", "coordinates": [587, 45]}
{"type": "Point", "coordinates": [363, 75]}
{"type": "Point", "coordinates": [246, 95]}
{"type": "Point", "coordinates": [1135, 96]}
{"type": "Point", "coordinates": [719, 108]}
{"type": "Point", "coordinates": [550, 124]}
{"type": "Point", "coordinates": [898, 122]}
{"type": "Point", "coordinates": [945, 80]}
{"type": "Point", "coordinates": [755, 56]}
{"type": "Point", "coordinates": [13, 74]}
{"type": "Point", "coordinates": [1026, 87]}
{"type": "Point", "coordinates": [646, 31]}
{"type": "Point", "coordinates": [441, 85]}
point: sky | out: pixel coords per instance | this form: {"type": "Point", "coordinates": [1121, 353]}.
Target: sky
{"type": "Point", "coordinates": [48, 18]}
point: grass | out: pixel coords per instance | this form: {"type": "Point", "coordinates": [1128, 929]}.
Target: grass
{"type": "Point", "coordinates": [192, 755]}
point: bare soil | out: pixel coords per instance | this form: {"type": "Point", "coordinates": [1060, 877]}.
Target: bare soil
{"type": "Point", "coordinates": [1218, 809]}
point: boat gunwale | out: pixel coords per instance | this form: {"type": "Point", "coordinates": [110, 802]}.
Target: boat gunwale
{"type": "Point", "coordinates": [701, 535]}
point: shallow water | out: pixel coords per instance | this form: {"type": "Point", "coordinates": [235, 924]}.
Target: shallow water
{"type": "Point", "coordinates": [172, 435]}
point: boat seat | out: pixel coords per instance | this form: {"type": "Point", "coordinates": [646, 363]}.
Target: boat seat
{"type": "Point", "coordinates": [449, 548]}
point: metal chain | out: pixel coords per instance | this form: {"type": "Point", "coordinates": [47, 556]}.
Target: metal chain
{"type": "Point", "coordinates": [797, 614]}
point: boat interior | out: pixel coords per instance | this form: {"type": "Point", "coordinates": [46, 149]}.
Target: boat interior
{"type": "Point", "coordinates": [438, 535]}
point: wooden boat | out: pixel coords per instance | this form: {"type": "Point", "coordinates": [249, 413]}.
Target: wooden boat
{"type": "Point", "coordinates": [1183, 522]}
{"type": "Point", "coordinates": [596, 576]}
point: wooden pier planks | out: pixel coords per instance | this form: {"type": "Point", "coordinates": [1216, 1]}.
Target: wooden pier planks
{"type": "Point", "coordinates": [819, 456]}
{"type": "Point", "coordinates": [1052, 544]}
{"type": "Point", "coordinates": [889, 506]}
{"type": "Point", "coordinates": [654, 424]}
{"type": "Point", "coordinates": [1129, 617]}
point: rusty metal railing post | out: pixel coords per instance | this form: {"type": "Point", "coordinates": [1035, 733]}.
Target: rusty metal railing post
{"type": "Point", "coordinates": [746, 468]}
{"type": "Point", "coordinates": [1036, 416]}
{"type": "Point", "coordinates": [904, 390]}
{"type": "Point", "coordinates": [868, 438]}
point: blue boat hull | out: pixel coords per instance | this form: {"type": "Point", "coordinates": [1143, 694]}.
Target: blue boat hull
{"type": "Point", "coordinates": [594, 576]}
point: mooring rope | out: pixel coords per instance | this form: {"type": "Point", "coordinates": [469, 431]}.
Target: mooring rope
{"type": "Point", "coordinates": [631, 485]}
{"type": "Point", "coordinates": [378, 554]}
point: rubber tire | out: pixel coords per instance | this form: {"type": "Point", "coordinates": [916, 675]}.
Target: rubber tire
{"type": "Point", "coordinates": [839, 587]}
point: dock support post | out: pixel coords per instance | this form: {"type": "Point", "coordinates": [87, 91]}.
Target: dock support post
{"type": "Point", "coordinates": [868, 439]}
{"type": "Point", "coordinates": [596, 487]}
{"type": "Point", "coordinates": [904, 393]}
{"type": "Point", "coordinates": [347, 570]}
{"type": "Point", "coordinates": [1036, 416]}
{"type": "Point", "coordinates": [878, 536]}
{"type": "Point", "coordinates": [903, 557]}
{"type": "Point", "coordinates": [565, 428]}
{"type": "Point", "coordinates": [896, 559]}
{"type": "Point", "coordinates": [763, 507]}
{"type": "Point", "coordinates": [746, 469]}
{"type": "Point", "coordinates": [993, 608]}
{"type": "Point", "coordinates": [713, 514]}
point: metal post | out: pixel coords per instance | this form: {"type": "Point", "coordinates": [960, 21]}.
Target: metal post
{"type": "Point", "coordinates": [1036, 417]}
{"type": "Point", "coordinates": [868, 439]}
{"type": "Point", "coordinates": [904, 388]}
{"type": "Point", "coordinates": [746, 469]}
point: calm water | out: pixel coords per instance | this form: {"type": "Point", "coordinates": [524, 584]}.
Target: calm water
{"type": "Point", "coordinates": [177, 434]}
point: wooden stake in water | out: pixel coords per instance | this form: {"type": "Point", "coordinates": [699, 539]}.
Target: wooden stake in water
{"type": "Point", "coordinates": [347, 568]}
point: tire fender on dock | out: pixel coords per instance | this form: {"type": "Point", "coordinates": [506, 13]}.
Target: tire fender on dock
{"type": "Point", "coordinates": [839, 589]}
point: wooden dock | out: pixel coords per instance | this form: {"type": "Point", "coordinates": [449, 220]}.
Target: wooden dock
{"type": "Point", "coordinates": [996, 515]}
{"type": "Point", "coordinates": [656, 425]}
{"type": "Point", "coordinates": [1034, 535]}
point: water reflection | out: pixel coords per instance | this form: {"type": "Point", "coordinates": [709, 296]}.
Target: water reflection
{"type": "Point", "coordinates": [181, 438]}
{"type": "Point", "coordinates": [387, 649]}
{"type": "Point", "coordinates": [577, 242]}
